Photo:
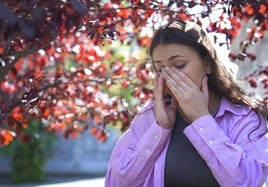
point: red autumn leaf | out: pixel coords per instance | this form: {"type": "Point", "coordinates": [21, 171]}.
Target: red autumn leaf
{"type": "Point", "coordinates": [250, 9]}
{"type": "Point", "coordinates": [16, 113]}
{"type": "Point", "coordinates": [125, 84]}
{"type": "Point", "coordinates": [251, 56]}
{"type": "Point", "coordinates": [144, 41]}
{"type": "Point", "coordinates": [103, 139]}
{"type": "Point", "coordinates": [101, 135]}
{"type": "Point", "coordinates": [253, 82]}
{"type": "Point", "coordinates": [46, 113]}
{"type": "Point", "coordinates": [263, 8]}
{"type": "Point", "coordinates": [6, 136]}
{"type": "Point", "coordinates": [14, 124]}
{"type": "Point", "coordinates": [94, 131]}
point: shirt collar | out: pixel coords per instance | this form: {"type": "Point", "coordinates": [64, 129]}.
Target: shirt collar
{"type": "Point", "coordinates": [226, 105]}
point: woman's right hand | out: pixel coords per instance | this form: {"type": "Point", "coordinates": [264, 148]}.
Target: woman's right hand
{"type": "Point", "coordinates": [165, 114]}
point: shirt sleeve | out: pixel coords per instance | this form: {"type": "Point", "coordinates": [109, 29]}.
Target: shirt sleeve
{"type": "Point", "coordinates": [237, 161]}
{"type": "Point", "coordinates": [135, 153]}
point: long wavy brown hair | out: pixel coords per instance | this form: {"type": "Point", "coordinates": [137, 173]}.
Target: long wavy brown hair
{"type": "Point", "coordinates": [221, 81]}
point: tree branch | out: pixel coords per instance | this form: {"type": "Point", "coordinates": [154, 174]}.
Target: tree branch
{"type": "Point", "coordinates": [18, 55]}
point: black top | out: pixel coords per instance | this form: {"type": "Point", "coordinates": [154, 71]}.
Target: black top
{"type": "Point", "coordinates": [184, 166]}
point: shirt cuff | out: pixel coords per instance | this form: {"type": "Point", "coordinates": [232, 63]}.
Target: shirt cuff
{"type": "Point", "coordinates": [205, 135]}
{"type": "Point", "coordinates": [153, 140]}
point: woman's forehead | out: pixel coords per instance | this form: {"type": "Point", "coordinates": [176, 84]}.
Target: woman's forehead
{"type": "Point", "coordinates": [172, 51]}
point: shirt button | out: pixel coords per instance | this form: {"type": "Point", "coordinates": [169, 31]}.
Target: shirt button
{"type": "Point", "coordinates": [211, 142]}
{"type": "Point", "coordinates": [201, 129]}
{"type": "Point", "coordinates": [148, 151]}
{"type": "Point", "coordinates": [156, 137]}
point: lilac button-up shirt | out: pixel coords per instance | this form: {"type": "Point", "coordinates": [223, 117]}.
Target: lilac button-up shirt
{"type": "Point", "coordinates": [138, 159]}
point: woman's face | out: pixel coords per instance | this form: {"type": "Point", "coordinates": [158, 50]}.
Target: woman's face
{"type": "Point", "coordinates": [183, 58]}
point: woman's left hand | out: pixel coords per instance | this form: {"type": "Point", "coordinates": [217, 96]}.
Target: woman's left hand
{"type": "Point", "coordinates": [192, 100]}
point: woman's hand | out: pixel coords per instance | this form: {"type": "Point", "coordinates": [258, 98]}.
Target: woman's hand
{"type": "Point", "coordinates": [192, 101]}
{"type": "Point", "coordinates": [165, 114]}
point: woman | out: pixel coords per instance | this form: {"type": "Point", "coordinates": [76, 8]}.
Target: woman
{"type": "Point", "coordinates": [200, 130]}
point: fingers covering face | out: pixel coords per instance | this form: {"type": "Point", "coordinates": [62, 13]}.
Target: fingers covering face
{"type": "Point", "coordinates": [158, 86]}
{"type": "Point", "coordinates": [177, 81]}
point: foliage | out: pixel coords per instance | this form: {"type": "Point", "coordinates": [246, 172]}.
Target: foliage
{"type": "Point", "coordinates": [57, 65]}
{"type": "Point", "coordinates": [28, 159]}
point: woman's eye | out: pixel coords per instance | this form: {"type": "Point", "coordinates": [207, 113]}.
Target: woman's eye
{"type": "Point", "coordinates": [180, 66]}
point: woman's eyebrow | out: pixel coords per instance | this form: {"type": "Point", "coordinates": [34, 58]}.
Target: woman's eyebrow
{"type": "Point", "coordinates": [176, 56]}
{"type": "Point", "coordinates": [170, 58]}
